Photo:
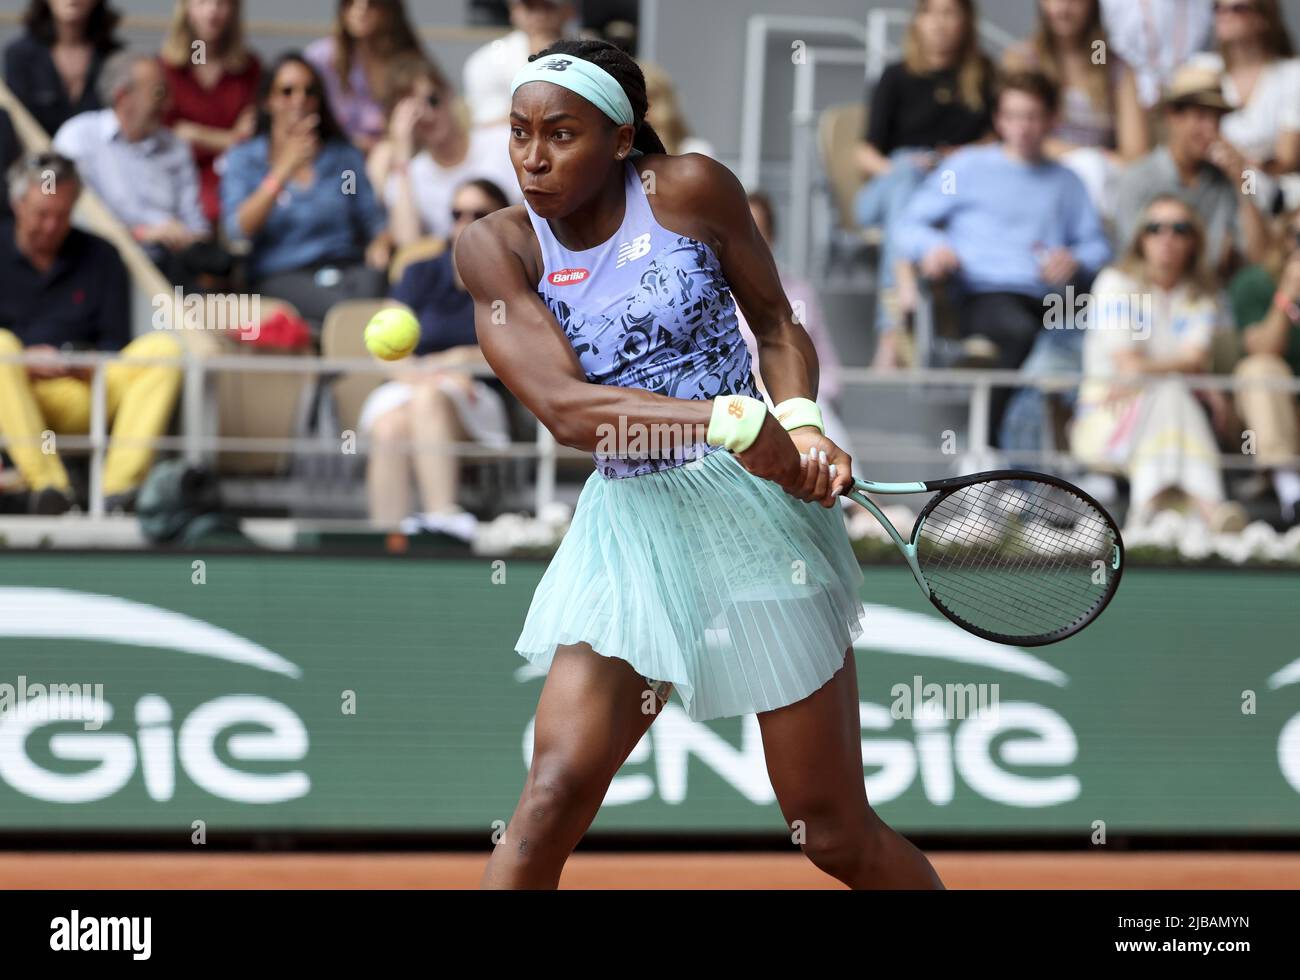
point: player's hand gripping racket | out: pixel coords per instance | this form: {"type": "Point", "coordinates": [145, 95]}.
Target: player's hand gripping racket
{"type": "Point", "coordinates": [1010, 555]}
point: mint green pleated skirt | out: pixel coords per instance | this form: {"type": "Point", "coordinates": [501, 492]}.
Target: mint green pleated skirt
{"type": "Point", "coordinates": [707, 578]}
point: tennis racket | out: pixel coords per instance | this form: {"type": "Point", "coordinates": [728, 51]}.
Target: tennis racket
{"type": "Point", "coordinates": [1009, 555]}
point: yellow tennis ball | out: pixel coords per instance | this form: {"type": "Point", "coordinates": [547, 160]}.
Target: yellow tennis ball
{"type": "Point", "coordinates": [392, 334]}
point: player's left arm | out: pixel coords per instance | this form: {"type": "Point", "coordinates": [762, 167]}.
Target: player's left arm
{"type": "Point", "coordinates": [787, 357]}
{"type": "Point", "coordinates": [786, 354]}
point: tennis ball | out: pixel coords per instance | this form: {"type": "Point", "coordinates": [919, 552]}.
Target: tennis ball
{"type": "Point", "coordinates": [392, 334]}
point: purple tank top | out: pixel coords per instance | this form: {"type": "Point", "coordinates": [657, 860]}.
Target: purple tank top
{"type": "Point", "coordinates": [647, 309]}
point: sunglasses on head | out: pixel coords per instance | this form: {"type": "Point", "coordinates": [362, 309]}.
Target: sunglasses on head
{"type": "Point", "coordinates": [49, 160]}
{"type": "Point", "coordinates": [46, 158]}
{"type": "Point", "coordinates": [1183, 229]}
{"type": "Point", "coordinates": [457, 214]}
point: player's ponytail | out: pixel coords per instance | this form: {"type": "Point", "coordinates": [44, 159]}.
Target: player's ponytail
{"type": "Point", "coordinates": [626, 72]}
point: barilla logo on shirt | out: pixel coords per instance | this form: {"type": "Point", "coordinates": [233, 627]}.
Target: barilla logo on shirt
{"type": "Point", "coordinates": [567, 277]}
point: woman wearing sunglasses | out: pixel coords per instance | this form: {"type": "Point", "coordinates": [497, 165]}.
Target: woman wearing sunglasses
{"type": "Point", "coordinates": [298, 193]}
{"type": "Point", "coordinates": [1150, 328]}
{"type": "Point", "coordinates": [430, 150]}
{"type": "Point", "coordinates": [428, 405]}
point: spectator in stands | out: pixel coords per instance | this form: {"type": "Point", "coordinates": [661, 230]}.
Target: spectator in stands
{"type": "Point", "coordinates": [1266, 307]}
{"type": "Point", "coordinates": [937, 99]}
{"type": "Point", "coordinates": [1197, 164]}
{"type": "Point", "coordinates": [489, 71]}
{"type": "Point", "coordinates": [142, 171]}
{"type": "Point", "coordinates": [368, 34]}
{"type": "Point", "coordinates": [65, 289]}
{"type": "Point", "coordinates": [430, 151]}
{"type": "Point", "coordinates": [298, 192]}
{"type": "Point", "coordinates": [10, 150]}
{"type": "Point", "coordinates": [665, 114]}
{"type": "Point", "coordinates": [808, 313]}
{"type": "Point", "coordinates": [1101, 125]}
{"type": "Point", "coordinates": [1155, 315]}
{"type": "Point", "coordinates": [1015, 227]}
{"type": "Point", "coordinates": [1261, 82]}
{"type": "Point", "coordinates": [428, 404]}
{"type": "Point", "coordinates": [1155, 37]}
{"type": "Point", "coordinates": [213, 79]}
{"type": "Point", "coordinates": [53, 67]}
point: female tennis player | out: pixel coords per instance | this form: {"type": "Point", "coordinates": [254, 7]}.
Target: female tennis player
{"type": "Point", "coordinates": [706, 552]}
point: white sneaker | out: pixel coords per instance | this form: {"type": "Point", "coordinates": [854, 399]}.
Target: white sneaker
{"type": "Point", "coordinates": [457, 524]}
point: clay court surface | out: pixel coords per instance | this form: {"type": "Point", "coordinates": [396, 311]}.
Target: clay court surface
{"type": "Point", "coordinates": [644, 870]}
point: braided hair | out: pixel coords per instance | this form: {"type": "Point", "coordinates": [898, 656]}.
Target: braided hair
{"type": "Point", "coordinates": [626, 72]}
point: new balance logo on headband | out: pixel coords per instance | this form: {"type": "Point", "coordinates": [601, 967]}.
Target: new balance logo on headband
{"type": "Point", "coordinates": [637, 248]}
{"type": "Point", "coordinates": [556, 64]}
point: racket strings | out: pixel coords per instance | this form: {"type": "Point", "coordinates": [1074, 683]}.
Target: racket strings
{"type": "Point", "coordinates": [1016, 558]}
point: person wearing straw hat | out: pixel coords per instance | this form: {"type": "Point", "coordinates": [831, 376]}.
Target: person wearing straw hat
{"type": "Point", "coordinates": [706, 553]}
{"type": "Point", "coordinates": [1196, 164]}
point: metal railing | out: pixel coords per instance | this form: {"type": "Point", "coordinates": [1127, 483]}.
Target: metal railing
{"type": "Point", "coordinates": [198, 405]}
{"type": "Point", "coordinates": [759, 30]}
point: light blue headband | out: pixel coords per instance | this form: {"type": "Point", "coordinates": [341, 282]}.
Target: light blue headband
{"type": "Point", "coordinates": [592, 82]}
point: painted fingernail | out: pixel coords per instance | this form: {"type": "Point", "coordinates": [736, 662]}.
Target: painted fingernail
{"type": "Point", "coordinates": [832, 470]}
{"type": "Point", "coordinates": [822, 454]}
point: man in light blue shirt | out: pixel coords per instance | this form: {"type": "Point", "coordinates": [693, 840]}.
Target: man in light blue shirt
{"type": "Point", "coordinates": [143, 173]}
{"type": "Point", "coordinates": [1011, 226]}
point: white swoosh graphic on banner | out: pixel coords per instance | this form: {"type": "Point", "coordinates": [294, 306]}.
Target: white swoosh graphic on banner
{"type": "Point", "coordinates": [1287, 675]}
{"type": "Point", "coordinates": [62, 614]}
{"type": "Point", "coordinates": [889, 630]}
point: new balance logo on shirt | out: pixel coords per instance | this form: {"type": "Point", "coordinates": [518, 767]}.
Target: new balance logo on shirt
{"type": "Point", "coordinates": [637, 248]}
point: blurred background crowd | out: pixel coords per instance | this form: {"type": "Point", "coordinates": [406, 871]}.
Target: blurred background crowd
{"type": "Point", "coordinates": [1116, 194]}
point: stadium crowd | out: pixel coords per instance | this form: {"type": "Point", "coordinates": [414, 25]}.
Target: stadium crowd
{"type": "Point", "coordinates": [1141, 154]}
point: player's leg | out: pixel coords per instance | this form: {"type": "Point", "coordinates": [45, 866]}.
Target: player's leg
{"type": "Point", "coordinates": [592, 712]}
{"type": "Point", "coordinates": [814, 759]}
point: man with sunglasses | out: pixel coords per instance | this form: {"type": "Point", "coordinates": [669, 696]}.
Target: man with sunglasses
{"type": "Point", "coordinates": [1197, 165]}
{"type": "Point", "coordinates": [142, 171]}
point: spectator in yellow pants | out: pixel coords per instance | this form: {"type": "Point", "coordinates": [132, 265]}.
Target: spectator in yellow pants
{"type": "Point", "coordinates": [140, 402]}
{"type": "Point", "coordinates": [61, 288]}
